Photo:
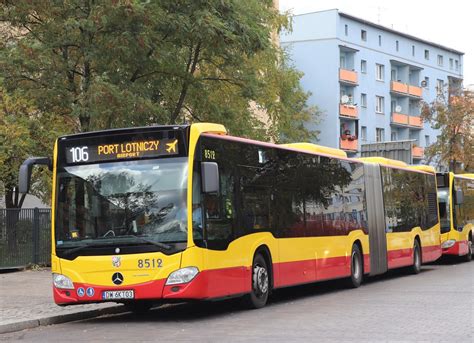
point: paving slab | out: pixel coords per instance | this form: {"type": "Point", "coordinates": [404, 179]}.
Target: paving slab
{"type": "Point", "coordinates": [26, 301]}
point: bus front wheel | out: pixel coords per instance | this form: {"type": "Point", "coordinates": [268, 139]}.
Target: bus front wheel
{"type": "Point", "coordinates": [260, 283]}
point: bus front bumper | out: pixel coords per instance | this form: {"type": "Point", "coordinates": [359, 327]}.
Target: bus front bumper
{"type": "Point", "coordinates": [455, 248]}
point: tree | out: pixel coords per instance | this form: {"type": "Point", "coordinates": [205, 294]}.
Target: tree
{"type": "Point", "coordinates": [125, 63]}
{"type": "Point", "coordinates": [453, 115]}
{"type": "Point", "coordinates": [24, 132]}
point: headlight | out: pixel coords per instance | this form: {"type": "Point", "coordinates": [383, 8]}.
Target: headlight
{"type": "Point", "coordinates": [183, 275]}
{"type": "Point", "coordinates": [448, 244]}
{"type": "Point", "coordinates": [61, 281]}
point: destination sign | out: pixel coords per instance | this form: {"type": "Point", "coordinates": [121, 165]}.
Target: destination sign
{"type": "Point", "coordinates": [134, 149]}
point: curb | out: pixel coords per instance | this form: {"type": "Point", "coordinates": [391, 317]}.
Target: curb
{"type": "Point", "coordinates": [63, 318]}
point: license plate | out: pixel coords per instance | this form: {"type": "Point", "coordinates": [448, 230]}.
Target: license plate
{"type": "Point", "coordinates": [129, 294]}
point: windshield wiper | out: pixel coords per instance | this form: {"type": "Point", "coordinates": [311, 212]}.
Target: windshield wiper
{"type": "Point", "coordinates": [116, 242]}
{"type": "Point", "coordinates": [144, 239]}
{"type": "Point", "coordinates": [73, 250]}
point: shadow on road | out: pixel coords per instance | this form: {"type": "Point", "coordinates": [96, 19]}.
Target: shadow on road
{"type": "Point", "coordinates": [197, 311]}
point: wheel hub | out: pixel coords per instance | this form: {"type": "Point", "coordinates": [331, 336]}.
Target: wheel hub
{"type": "Point", "coordinates": [260, 280]}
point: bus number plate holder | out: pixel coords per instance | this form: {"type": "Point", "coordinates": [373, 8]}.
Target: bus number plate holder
{"type": "Point", "coordinates": [125, 294]}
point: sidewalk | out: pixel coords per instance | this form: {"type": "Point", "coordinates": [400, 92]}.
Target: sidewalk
{"type": "Point", "coordinates": [26, 301]}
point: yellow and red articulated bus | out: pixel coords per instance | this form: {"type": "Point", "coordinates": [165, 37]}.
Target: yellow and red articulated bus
{"type": "Point", "coordinates": [172, 213]}
{"type": "Point", "coordinates": [456, 208]}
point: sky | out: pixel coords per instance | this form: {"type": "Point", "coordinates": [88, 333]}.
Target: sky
{"type": "Point", "coordinates": [448, 23]}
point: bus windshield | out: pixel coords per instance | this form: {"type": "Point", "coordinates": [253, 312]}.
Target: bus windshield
{"type": "Point", "coordinates": [443, 202]}
{"type": "Point", "coordinates": [119, 202]}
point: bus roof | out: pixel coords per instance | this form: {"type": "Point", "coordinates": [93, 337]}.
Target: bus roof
{"type": "Point", "coordinates": [428, 169]}
{"type": "Point", "coordinates": [383, 160]}
{"type": "Point", "coordinates": [316, 149]}
{"type": "Point", "coordinates": [466, 176]}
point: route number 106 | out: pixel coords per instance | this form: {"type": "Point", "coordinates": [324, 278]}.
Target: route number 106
{"type": "Point", "coordinates": [79, 154]}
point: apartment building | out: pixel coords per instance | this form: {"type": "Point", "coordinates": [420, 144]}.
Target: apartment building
{"type": "Point", "coordinates": [369, 80]}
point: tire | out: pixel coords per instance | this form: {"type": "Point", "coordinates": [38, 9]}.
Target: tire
{"type": "Point", "coordinates": [416, 267]}
{"type": "Point", "coordinates": [260, 280]}
{"type": "Point", "coordinates": [357, 268]}
{"type": "Point", "coordinates": [468, 256]}
{"type": "Point", "coordinates": [139, 307]}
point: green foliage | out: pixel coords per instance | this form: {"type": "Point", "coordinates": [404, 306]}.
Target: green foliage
{"type": "Point", "coordinates": [25, 132]}
{"type": "Point", "coordinates": [453, 115]}
{"type": "Point", "coordinates": [126, 63]}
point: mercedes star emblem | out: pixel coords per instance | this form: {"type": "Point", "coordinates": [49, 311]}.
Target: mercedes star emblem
{"type": "Point", "coordinates": [117, 278]}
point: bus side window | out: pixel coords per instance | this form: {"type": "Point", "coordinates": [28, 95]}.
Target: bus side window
{"type": "Point", "coordinates": [219, 213]}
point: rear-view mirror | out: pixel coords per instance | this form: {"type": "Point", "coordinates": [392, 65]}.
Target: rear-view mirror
{"type": "Point", "coordinates": [24, 178]}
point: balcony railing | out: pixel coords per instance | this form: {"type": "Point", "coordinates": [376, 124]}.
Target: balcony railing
{"type": "Point", "coordinates": [348, 144]}
{"type": "Point", "coordinates": [415, 91]}
{"type": "Point", "coordinates": [399, 87]}
{"type": "Point", "coordinates": [406, 89]}
{"type": "Point", "coordinates": [417, 152]}
{"type": "Point", "coordinates": [406, 120]}
{"type": "Point", "coordinates": [348, 111]}
{"type": "Point", "coordinates": [415, 121]}
{"type": "Point", "coordinates": [347, 76]}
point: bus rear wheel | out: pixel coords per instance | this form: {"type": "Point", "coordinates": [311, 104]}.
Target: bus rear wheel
{"type": "Point", "coordinates": [416, 267]}
{"type": "Point", "coordinates": [468, 256]}
{"type": "Point", "coordinates": [260, 284]}
{"type": "Point", "coordinates": [357, 268]}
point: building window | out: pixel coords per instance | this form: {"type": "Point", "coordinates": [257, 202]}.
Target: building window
{"type": "Point", "coordinates": [363, 133]}
{"type": "Point", "coordinates": [427, 82]}
{"type": "Point", "coordinates": [379, 72]}
{"type": "Point", "coordinates": [397, 45]}
{"type": "Point", "coordinates": [363, 100]}
{"type": "Point", "coordinates": [380, 40]}
{"type": "Point", "coordinates": [379, 134]}
{"type": "Point", "coordinates": [440, 60]}
{"type": "Point", "coordinates": [379, 104]}
{"type": "Point", "coordinates": [427, 54]}
{"type": "Point", "coordinates": [346, 30]}
{"type": "Point", "coordinates": [451, 63]}
{"type": "Point", "coordinates": [413, 50]}
{"type": "Point", "coordinates": [393, 136]}
{"type": "Point", "coordinates": [363, 35]}
{"type": "Point", "coordinates": [439, 86]}
{"type": "Point", "coordinates": [342, 61]}
{"type": "Point", "coordinates": [456, 64]}
{"type": "Point", "coordinates": [427, 140]}
{"type": "Point", "coordinates": [363, 66]}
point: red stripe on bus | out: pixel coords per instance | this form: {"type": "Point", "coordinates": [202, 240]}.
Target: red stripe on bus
{"type": "Point", "coordinates": [399, 258]}
{"type": "Point", "coordinates": [431, 253]}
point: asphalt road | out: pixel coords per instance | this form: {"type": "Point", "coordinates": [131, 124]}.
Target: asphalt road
{"type": "Point", "coordinates": [436, 305]}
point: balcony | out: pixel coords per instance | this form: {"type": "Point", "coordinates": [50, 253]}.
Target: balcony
{"type": "Point", "coordinates": [417, 152]}
{"type": "Point", "coordinates": [348, 144]}
{"type": "Point", "coordinates": [348, 111]}
{"type": "Point", "coordinates": [415, 121]}
{"type": "Point", "coordinates": [348, 76]}
{"type": "Point", "coordinates": [406, 120]}
{"type": "Point", "coordinates": [415, 91]}
{"type": "Point", "coordinates": [406, 89]}
{"type": "Point", "coordinates": [399, 87]}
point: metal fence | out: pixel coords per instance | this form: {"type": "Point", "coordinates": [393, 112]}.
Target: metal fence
{"type": "Point", "coordinates": [25, 237]}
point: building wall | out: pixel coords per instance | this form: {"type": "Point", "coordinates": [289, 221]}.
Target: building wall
{"type": "Point", "coordinates": [315, 45]}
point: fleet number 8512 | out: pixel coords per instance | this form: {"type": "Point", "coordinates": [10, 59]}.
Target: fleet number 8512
{"type": "Point", "coordinates": [150, 263]}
